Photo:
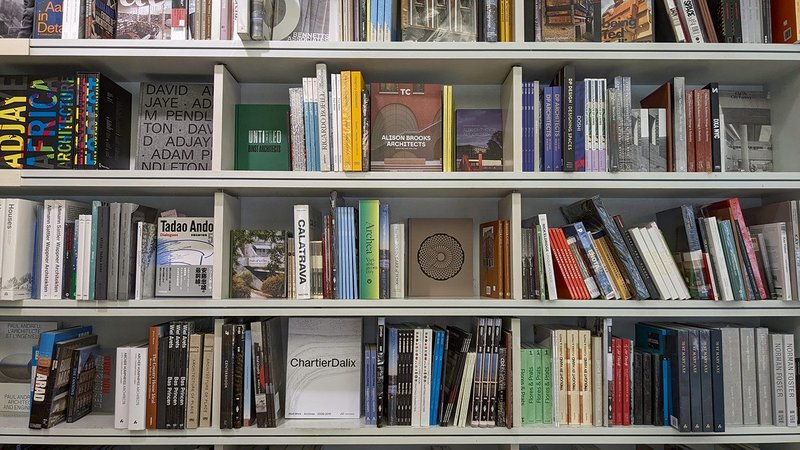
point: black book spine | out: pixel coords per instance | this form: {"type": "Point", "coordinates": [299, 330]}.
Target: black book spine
{"type": "Point", "coordinates": [680, 411]}
{"type": "Point", "coordinates": [402, 376]}
{"type": "Point", "coordinates": [736, 18]}
{"type": "Point", "coordinates": [696, 381]}
{"type": "Point", "coordinates": [161, 391]}
{"type": "Point", "coordinates": [238, 376]}
{"type": "Point", "coordinates": [101, 270]}
{"type": "Point", "coordinates": [568, 117]}
{"type": "Point", "coordinates": [267, 366]}
{"type": "Point", "coordinates": [638, 391]}
{"type": "Point", "coordinates": [529, 9]}
{"type": "Point", "coordinates": [766, 21]}
{"type": "Point", "coordinates": [380, 349]}
{"type": "Point", "coordinates": [186, 330]}
{"type": "Point", "coordinates": [706, 381]}
{"type": "Point", "coordinates": [114, 125]}
{"type": "Point", "coordinates": [226, 397]}
{"type": "Point", "coordinates": [444, 391]}
{"type": "Point", "coordinates": [717, 383]}
{"type": "Point", "coordinates": [409, 376]}
{"type": "Point", "coordinates": [69, 249]}
{"type": "Point", "coordinates": [658, 391]}
{"type": "Point", "coordinates": [171, 345]}
{"type": "Point", "coordinates": [392, 361]}
{"type": "Point", "coordinates": [647, 388]}
{"type": "Point", "coordinates": [475, 383]}
{"type": "Point", "coordinates": [716, 129]}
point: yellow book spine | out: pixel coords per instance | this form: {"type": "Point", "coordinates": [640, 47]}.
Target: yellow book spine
{"type": "Point", "coordinates": [356, 85]}
{"type": "Point", "coordinates": [501, 22]}
{"type": "Point", "coordinates": [347, 148]}
{"type": "Point", "coordinates": [445, 137]}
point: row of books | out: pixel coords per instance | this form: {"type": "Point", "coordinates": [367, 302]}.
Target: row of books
{"type": "Point", "coordinates": [704, 253]}
{"type": "Point", "coordinates": [63, 249]}
{"type": "Point", "coordinates": [693, 21]}
{"type": "Point", "coordinates": [693, 378]}
{"type": "Point", "coordinates": [677, 129]}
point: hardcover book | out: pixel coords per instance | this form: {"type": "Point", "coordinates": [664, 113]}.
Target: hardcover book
{"type": "Point", "coordinates": [323, 368]}
{"type": "Point", "coordinates": [82, 382]}
{"type": "Point", "coordinates": [184, 256]}
{"type": "Point", "coordinates": [258, 264]}
{"type": "Point", "coordinates": [16, 340]}
{"type": "Point", "coordinates": [597, 20]}
{"type": "Point", "coordinates": [442, 21]}
{"type": "Point", "coordinates": [103, 133]}
{"type": "Point", "coordinates": [145, 267]}
{"type": "Point", "coordinates": [13, 117]}
{"type": "Point", "coordinates": [144, 19]}
{"type": "Point", "coordinates": [101, 19]}
{"type": "Point", "coordinates": [50, 123]}
{"type": "Point", "coordinates": [406, 130]}
{"type": "Point", "coordinates": [748, 130]}
{"type": "Point", "coordinates": [262, 137]}
{"type": "Point", "coordinates": [306, 20]}
{"type": "Point", "coordinates": [175, 126]}
{"type": "Point", "coordinates": [48, 16]}
{"type": "Point", "coordinates": [16, 19]}
{"type": "Point", "coordinates": [440, 258]}
{"type": "Point", "coordinates": [479, 140]}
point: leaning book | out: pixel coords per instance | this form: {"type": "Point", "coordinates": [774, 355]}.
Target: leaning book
{"type": "Point", "coordinates": [16, 341]}
{"type": "Point", "coordinates": [184, 256]}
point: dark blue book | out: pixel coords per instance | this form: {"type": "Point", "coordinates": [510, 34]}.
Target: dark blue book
{"type": "Point", "coordinates": [525, 127]}
{"type": "Point", "coordinates": [580, 126]}
{"type": "Point", "coordinates": [547, 131]}
{"type": "Point", "coordinates": [479, 140]}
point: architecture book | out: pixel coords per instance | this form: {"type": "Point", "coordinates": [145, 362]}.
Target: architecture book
{"type": "Point", "coordinates": [184, 256]}
{"type": "Point", "coordinates": [479, 140]}
{"type": "Point", "coordinates": [258, 264]}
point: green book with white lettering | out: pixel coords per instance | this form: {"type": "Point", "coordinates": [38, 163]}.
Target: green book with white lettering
{"type": "Point", "coordinates": [262, 137]}
{"type": "Point", "coordinates": [368, 248]}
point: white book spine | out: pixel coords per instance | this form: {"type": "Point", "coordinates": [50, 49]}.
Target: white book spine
{"type": "Point", "coordinates": [786, 276]}
{"type": "Point", "coordinates": [596, 381]}
{"type": "Point", "coordinates": [397, 260]}
{"type": "Point", "coordinates": [550, 275]}
{"type": "Point", "coordinates": [302, 261]}
{"type": "Point", "coordinates": [340, 153]}
{"type": "Point", "coordinates": [69, 29]}
{"type": "Point", "coordinates": [138, 286]}
{"type": "Point", "coordinates": [16, 256]}
{"type": "Point", "coordinates": [602, 112]}
{"type": "Point", "coordinates": [692, 20]}
{"type": "Point", "coordinates": [658, 272]}
{"type": "Point", "coordinates": [585, 381]}
{"type": "Point", "coordinates": [721, 267]}
{"type": "Point", "coordinates": [323, 124]}
{"type": "Point", "coordinates": [137, 393]}
{"type": "Point", "coordinates": [77, 246]}
{"type": "Point", "coordinates": [674, 18]}
{"type": "Point", "coordinates": [6, 258]}
{"type": "Point", "coordinates": [791, 380]}
{"type": "Point", "coordinates": [778, 380]}
{"type": "Point", "coordinates": [332, 125]}
{"type": "Point", "coordinates": [796, 256]}
{"type": "Point", "coordinates": [121, 391]}
{"type": "Point", "coordinates": [427, 360]}
{"type": "Point", "coordinates": [57, 255]}
{"type": "Point", "coordinates": [86, 246]}
{"type": "Point", "coordinates": [242, 13]}
{"type": "Point", "coordinates": [660, 246]}
{"type": "Point", "coordinates": [764, 377]}
{"type": "Point", "coordinates": [416, 385]}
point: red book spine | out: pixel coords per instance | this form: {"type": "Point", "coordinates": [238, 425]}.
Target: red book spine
{"type": "Point", "coordinates": [691, 144]}
{"type": "Point", "coordinates": [626, 381]}
{"type": "Point", "coordinates": [702, 109]}
{"type": "Point", "coordinates": [617, 399]}
{"type": "Point", "coordinates": [563, 285]}
{"type": "Point", "coordinates": [736, 212]}
{"type": "Point", "coordinates": [575, 278]}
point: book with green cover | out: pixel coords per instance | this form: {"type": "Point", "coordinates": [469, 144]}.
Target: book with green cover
{"type": "Point", "coordinates": [547, 386]}
{"type": "Point", "coordinates": [368, 249]}
{"type": "Point", "coordinates": [731, 259]}
{"type": "Point", "coordinates": [262, 137]}
{"type": "Point", "coordinates": [538, 385]}
{"type": "Point", "coordinates": [523, 376]}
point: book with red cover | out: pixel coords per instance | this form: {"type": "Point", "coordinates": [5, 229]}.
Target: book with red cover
{"type": "Point", "coordinates": [662, 98]}
{"type": "Point", "coordinates": [731, 210]}
{"type": "Point", "coordinates": [617, 398]}
{"type": "Point", "coordinates": [626, 381]}
{"type": "Point", "coordinates": [691, 141]}
{"type": "Point", "coordinates": [702, 129]}
{"type": "Point", "coordinates": [568, 278]}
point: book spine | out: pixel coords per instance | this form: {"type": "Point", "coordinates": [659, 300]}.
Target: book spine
{"type": "Point", "coordinates": [706, 374]}
{"type": "Point", "coordinates": [679, 124]}
{"type": "Point", "coordinates": [347, 122]}
{"type": "Point", "coordinates": [716, 129]}
{"type": "Point", "coordinates": [226, 382]}
{"type": "Point", "coordinates": [58, 249]}
{"type": "Point", "coordinates": [297, 129]}
{"type": "Point", "coordinates": [121, 397]}
{"type": "Point", "coordinates": [763, 376]}
{"type": "Point", "coordinates": [704, 129]}
{"type": "Point", "coordinates": [778, 380]}
{"type": "Point", "coordinates": [384, 253]}
{"type": "Point", "coordinates": [380, 370]}
{"type": "Point", "coordinates": [238, 377]}
{"type": "Point", "coordinates": [680, 363]}
{"type": "Point", "coordinates": [596, 381]}
{"type": "Point", "coordinates": [585, 376]}
{"type": "Point", "coordinates": [398, 261]}
{"type": "Point", "coordinates": [137, 391]}
{"type": "Point", "coordinates": [791, 386]}
{"type": "Point", "coordinates": [356, 87]}
{"type": "Point", "coordinates": [549, 165]}
{"type": "Point", "coordinates": [425, 378]}
{"type": "Point", "coordinates": [749, 383]}
{"type": "Point", "coordinates": [568, 118]}
{"type": "Point", "coordinates": [323, 116]}
{"type": "Point", "coordinates": [490, 21]}
{"type": "Point", "coordinates": [369, 253]}
{"type": "Point", "coordinates": [691, 18]}
{"type": "Point", "coordinates": [691, 125]}
{"type": "Point", "coordinates": [637, 382]}
{"type": "Point", "coordinates": [245, 19]}
{"type": "Point", "coordinates": [580, 126]}
{"type": "Point", "coordinates": [675, 20]}
{"type": "Point", "coordinates": [154, 334]}
{"type": "Point", "coordinates": [391, 376]}
{"type": "Point", "coordinates": [302, 242]}
{"type": "Point", "coordinates": [113, 249]}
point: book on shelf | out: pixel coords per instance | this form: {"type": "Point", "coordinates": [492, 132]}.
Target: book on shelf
{"type": "Point", "coordinates": [479, 140]}
{"type": "Point", "coordinates": [262, 137]}
{"type": "Point", "coordinates": [440, 258]}
{"type": "Point", "coordinates": [17, 338]}
{"type": "Point", "coordinates": [183, 258]}
{"type": "Point", "coordinates": [258, 263]}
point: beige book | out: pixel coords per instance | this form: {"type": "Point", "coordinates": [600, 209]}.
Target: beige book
{"type": "Point", "coordinates": [193, 381]}
{"type": "Point", "coordinates": [573, 374]}
{"type": "Point", "coordinates": [207, 381]}
{"type": "Point", "coordinates": [563, 377]}
{"type": "Point", "coordinates": [596, 384]}
{"type": "Point", "coordinates": [585, 375]}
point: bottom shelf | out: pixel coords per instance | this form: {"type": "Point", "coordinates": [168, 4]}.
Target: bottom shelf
{"type": "Point", "coordinates": [99, 430]}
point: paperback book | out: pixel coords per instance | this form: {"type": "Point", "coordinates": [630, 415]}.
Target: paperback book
{"type": "Point", "coordinates": [184, 256]}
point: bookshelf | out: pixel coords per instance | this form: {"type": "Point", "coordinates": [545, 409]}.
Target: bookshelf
{"type": "Point", "coordinates": [483, 75]}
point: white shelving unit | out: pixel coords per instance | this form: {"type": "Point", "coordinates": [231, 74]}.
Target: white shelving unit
{"type": "Point", "coordinates": [485, 75]}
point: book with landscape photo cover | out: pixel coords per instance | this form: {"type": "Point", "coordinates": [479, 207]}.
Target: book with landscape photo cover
{"type": "Point", "coordinates": [406, 130]}
{"type": "Point", "coordinates": [597, 20]}
{"type": "Point", "coordinates": [258, 264]}
{"type": "Point", "coordinates": [747, 119]}
{"type": "Point", "coordinates": [479, 140]}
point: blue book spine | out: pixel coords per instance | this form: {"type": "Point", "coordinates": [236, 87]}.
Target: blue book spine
{"type": "Point", "coordinates": [547, 134]}
{"type": "Point", "coordinates": [666, 381]}
{"type": "Point", "coordinates": [435, 379]}
{"type": "Point", "coordinates": [248, 373]}
{"type": "Point", "coordinates": [651, 338]}
{"type": "Point", "coordinates": [349, 251]}
{"type": "Point", "coordinates": [580, 127]}
{"type": "Point", "coordinates": [731, 260]}
{"type": "Point", "coordinates": [383, 246]}
{"type": "Point", "coordinates": [527, 149]}
{"type": "Point", "coordinates": [578, 231]}
{"type": "Point", "coordinates": [354, 251]}
{"type": "Point", "coordinates": [391, 377]}
{"type": "Point", "coordinates": [307, 131]}
{"type": "Point", "coordinates": [374, 5]}
{"type": "Point", "coordinates": [315, 134]}
{"type": "Point", "coordinates": [558, 157]}
{"type": "Point", "coordinates": [337, 226]}
{"type": "Point", "coordinates": [34, 358]}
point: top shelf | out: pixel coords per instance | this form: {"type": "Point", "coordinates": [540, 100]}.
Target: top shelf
{"type": "Point", "coordinates": [456, 63]}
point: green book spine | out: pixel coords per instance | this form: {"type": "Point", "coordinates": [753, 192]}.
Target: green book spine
{"type": "Point", "coordinates": [368, 249]}
{"type": "Point", "coordinates": [93, 252]}
{"type": "Point", "coordinates": [731, 259]}
{"type": "Point", "coordinates": [262, 137]}
{"type": "Point", "coordinates": [540, 268]}
{"type": "Point", "coordinates": [547, 386]}
{"type": "Point", "coordinates": [531, 384]}
{"type": "Point", "coordinates": [523, 389]}
{"type": "Point", "coordinates": [538, 385]}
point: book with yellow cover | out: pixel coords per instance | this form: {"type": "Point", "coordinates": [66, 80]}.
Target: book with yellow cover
{"type": "Point", "coordinates": [347, 123]}
{"type": "Point", "coordinates": [356, 86]}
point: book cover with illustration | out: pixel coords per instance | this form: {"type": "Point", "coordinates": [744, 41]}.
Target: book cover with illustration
{"type": "Point", "coordinates": [13, 118]}
{"type": "Point", "coordinates": [597, 20]}
{"type": "Point", "coordinates": [144, 19]}
{"type": "Point", "coordinates": [323, 368]}
{"type": "Point", "coordinates": [262, 137]}
{"type": "Point", "coordinates": [16, 341]}
{"type": "Point", "coordinates": [101, 19]}
{"type": "Point", "coordinates": [306, 20]}
{"type": "Point", "coordinates": [441, 21]}
{"type": "Point", "coordinates": [406, 130]}
{"type": "Point", "coordinates": [175, 126]}
{"type": "Point", "coordinates": [440, 258]}
{"type": "Point", "coordinates": [479, 140]}
{"type": "Point", "coordinates": [184, 256]}
{"type": "Point", "coordinates": [258, 264]}
{"type": "Point", "coordinates": [747, 119]}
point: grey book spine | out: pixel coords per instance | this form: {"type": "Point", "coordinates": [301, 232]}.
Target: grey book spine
{"type": "Point", "coordinates": [123, 272]}
{"type": "Point", "coordinates": [763, 377]}
{"type": "Point", "coordinates": [101, 275]}
{"type": "Point", "coordinates": [696, 381]}
{"type": "Point", "coordinates": [791, 379]}
{"type": "Point", "coordinates": [731, 373]}
{"type": "Point", "coordinates": [679, 124]}
{"type": "Point", "coordinates": [749, 384]}
{"type": "Point", "coordinates": [705, 379]}
{"type": "Point", "coordinates": [296, 129]}
{"type": "Point", "coordinates": [113, 251]}
{"type": "Point", "coordinates": [778, 380]}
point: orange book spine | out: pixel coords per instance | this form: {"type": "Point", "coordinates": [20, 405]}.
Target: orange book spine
{"type": "Point", "coordinates": [151, 406]}
{"type": "Point", "coordinates": [347, 123]}
{"type": "Point", "coordinates": [356, 86]}
{"type": "Point", "coordinates": [786, 21]}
